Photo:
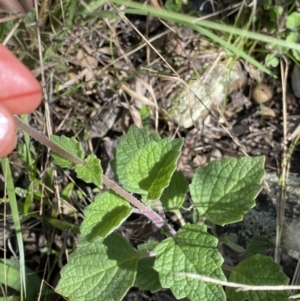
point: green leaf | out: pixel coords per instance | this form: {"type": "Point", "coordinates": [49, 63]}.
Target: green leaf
{"type": "Point", "coordinates": [173, 5]}
{"type": "Point", "coordinates": [225, 190]}
{"type": "Point", "coordinates": [293, 21]}
{"type": "Point", "coordinates": [67, 191]}
{"type": "Point", "coordinates": [230, 239]}
{"type": "Point", "coordinates": [174, 195]}
{"type": "Point", "coordinates": [102, 270]}
{"type": "Point", "coordinates": [145, 113]}
{"type": "Point", "coordinates": [71, 145]}
{"type": "Point", "coordinates": [26, 157]}
{"type": "Point", "coordinates": [91, 172]}
{"type": "Point", "coordinates": [105, 214]}
{"type": "Point", "coordinates": [258, 270]}
{"type": "Point", "coordinates": [271, 60]}
{"type": "Point", "coordinates": [258, 245]}
{"type": "Point", "coordinates": [151, 169]}
{"type": "Point", "coordinates": [191, 250]}
{"type": "Point", "coordinates": [147, 277]}
{"type": "Point", "coordinates": [62, 225]}
{"type": "Point", "coordinates": [294, 37]}
{"type": "Point", "coordinates": [129, 145]}
{"type": "Point", "coordinates": [10, 277]}
{"type": "Point", "coordinates": [13, 205]}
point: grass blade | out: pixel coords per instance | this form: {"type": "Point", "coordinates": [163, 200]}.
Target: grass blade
{"type": "Point", "coordinates": [10, 189]}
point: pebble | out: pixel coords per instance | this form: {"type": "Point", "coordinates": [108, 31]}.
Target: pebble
{"type": "Point", "coordinates": [262, 93]}
{"type": "Point", "coordinates": [296, 81]}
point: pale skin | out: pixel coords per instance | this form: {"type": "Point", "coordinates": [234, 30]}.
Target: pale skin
{"type": "Point", "coordinates": [20, 93]}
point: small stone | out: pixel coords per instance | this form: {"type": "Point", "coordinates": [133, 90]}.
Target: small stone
{"type": "Point", "coordinates": [262, 93]}
{"type": "Point", "coordinates": [266, 111]}
{"type": "Point", "coordinates": [215, 155]}
{"type": "Point", "coordinates": [193, 103]}
{"type": "Point", "coordinates": [240, 129]}
{"type": "Point", "coordinates": [291, 101]}
{"type": "Point", "coordinates": [296, 81]}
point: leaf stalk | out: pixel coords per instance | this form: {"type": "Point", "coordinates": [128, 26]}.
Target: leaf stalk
{"type": "Point", "coordinates": [145, 210]}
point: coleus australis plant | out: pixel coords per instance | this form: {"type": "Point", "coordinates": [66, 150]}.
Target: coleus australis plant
{"type": "Point", "coordinates": [105, 265]}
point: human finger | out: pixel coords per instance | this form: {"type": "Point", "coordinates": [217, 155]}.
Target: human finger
{"type": "Point", "coordinates": [7, 131]}
{"type": "Point", "coordinates": [20, 92]}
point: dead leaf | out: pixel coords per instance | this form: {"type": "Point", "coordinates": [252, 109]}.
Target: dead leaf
{"type": "Point", "coordinates": [266, 111]}
{"type": "Point", "coordinates": [18, 7]}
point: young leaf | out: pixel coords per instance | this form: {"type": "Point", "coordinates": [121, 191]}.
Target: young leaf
{"type": "Point", "coordinates": [271, 60]}
{"type": "Point", "coordinates": [174, 195]}
{"type": "Point", "coordinates": [102, 270]}
{"type": "Point", "coordinates": [174, 5]}
{"type": "Point", "coordinates": [258, 270]}
{"type": "Point", "coordinates": [91, 172]}
{"type": "Point", "coordinates": [293, 21]}
{"type": "Point", "coordinates": [258, 245]}
{"type": "Point", "coordinates": [129, 145]}
{"type": "Point", "coordinates": [147, 277]}
{"type": "Point", "coordinates": [151, 169]}
{"type": "Point", "coordinates": [67, 191]}
{"type": "Point", "coordinates": [105, 214]}
{"type": "Point", "coordinates": [225, 190]}
{"type": "Point", "coordinates": [71, 145]}
{"type": "Point", "coordinates": [191, 250]}
{"type": "Point", "coordinates": [62, 225]}
{"type": "Point", "coordinates": [295, 38]}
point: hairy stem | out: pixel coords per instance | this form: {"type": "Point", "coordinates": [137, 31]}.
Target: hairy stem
{"type": "Point", "coordinates": [147, 211]}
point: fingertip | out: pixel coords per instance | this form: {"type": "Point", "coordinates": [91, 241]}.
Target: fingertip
{"type": "Point", "coordinates": [20, 92]}
{"type": "Point", "coordinates": [7, 132]}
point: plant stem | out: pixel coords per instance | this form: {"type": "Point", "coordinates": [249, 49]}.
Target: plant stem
{"type": "Point", "coordinates": [147, 211]}
{"type": "Point", "coordinates": [45, 141]}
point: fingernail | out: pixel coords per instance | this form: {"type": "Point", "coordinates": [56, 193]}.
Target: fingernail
{"type": "Point", "coordinates": [4, 126]}
{"type": "Point", "coordinates": [7, 132]}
